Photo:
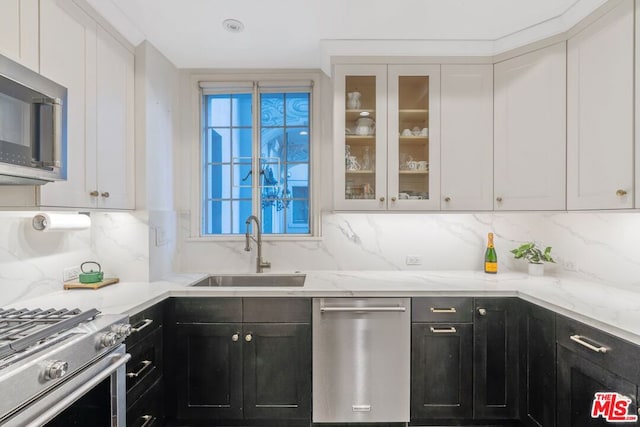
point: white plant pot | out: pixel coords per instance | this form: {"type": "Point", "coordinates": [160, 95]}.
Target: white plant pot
{"type": "Point", "coordinates": [536, 269]}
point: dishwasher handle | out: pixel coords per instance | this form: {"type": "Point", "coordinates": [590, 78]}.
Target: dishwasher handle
{"type": "Point", "coordinates": [395, 309]}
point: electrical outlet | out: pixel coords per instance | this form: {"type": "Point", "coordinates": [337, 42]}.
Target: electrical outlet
{"type": "Point", "coordinates": [70, 273]}
{"type": "Point", "coordinates": [569, 266]}
{"type": "Point", "coordinates": [414, 260]}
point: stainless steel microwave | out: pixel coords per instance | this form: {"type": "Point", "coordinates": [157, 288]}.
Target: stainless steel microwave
{"type": "Point", "coordinates": [33, 134]}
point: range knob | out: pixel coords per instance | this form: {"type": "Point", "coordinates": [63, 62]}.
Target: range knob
{"type": "Point", "coordinates": [109, 339]}
{"type": "Point", "coordinates": [55, 369]}
{"type": "Point", "coordinates": [122, 330]}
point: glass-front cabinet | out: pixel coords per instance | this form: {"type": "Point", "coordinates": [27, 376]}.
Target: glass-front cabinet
{"type": "Point", "coordinates": [387, 153]}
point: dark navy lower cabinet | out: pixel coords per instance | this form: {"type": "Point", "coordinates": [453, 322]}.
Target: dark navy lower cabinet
{"type": "Point", "coordinates": [591, 361]}
{"type": "Point", "coordinates": [495, 364]}
{"type": "Point", "coordinates": [239, 362]}
{"type": "Point", "coordinates": [537, 366]}
{"type": "Point", "coordinates": [441, 364]}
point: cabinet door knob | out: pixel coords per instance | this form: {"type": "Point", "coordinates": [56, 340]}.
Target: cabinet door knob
{"type": "Point", "coordinates": [235, 337]}
{"type": "Point", "coordinates": [382, 199]}
{"type": "Point", "coordinates": [105, 194]}
{"type": "Point", "coordinates": [482, 311]}
{"type": "Point", "coordinates": [499, 199]}
{"type": "Point", "coordinates": [621, 193]}
{"type": "Point", "coordinates": [248, 338]}
{"type": "Point", "coordinates": [393, 199]}
{"type": "Point", "coordinates": [447, 199]}
{"type": "Point", "coordinates": [94, 193]}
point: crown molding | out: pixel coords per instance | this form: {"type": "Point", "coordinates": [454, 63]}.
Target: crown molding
{"type": "Point", "coordinates": [552, 30]}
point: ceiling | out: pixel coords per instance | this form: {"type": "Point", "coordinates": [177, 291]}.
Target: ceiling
{"type": "Point", "coordinates": [298, 33]}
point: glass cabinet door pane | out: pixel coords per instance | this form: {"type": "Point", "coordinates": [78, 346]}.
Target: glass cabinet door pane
{"type": "Point", "coordinates": [360, 137]}
{"type": "Point", "coordinates": [413, 135]}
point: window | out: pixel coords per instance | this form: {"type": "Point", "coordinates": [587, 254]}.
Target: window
{"type": "Point", "coordinates": [256, 127]}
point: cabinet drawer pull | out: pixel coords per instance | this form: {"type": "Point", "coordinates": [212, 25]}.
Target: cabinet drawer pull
{"type": "Point", "coordinates": [140, 326]}
{"type": "Point", "coordinates": [621, 193]}
{"type": "Point", "coordinates": [579, 339]}
{"type": "Point", "coordinates": [382, 199]}
{"type": "Point", "coordinates": [105, 194]}
{"type": "Point", "coordinates": [145, 366]}
{"type": "Point", "coordinates": [248, 338]}
{"type": "Point", "coordinates": [482, 311]}
{"type": "Point", "coordinates": [450, 330]}
{"type": "Point", "coordinates": [443, 310]}
{"type": "Point", "coordinates": [499, 199]}
{"type": "Point", "coordinates": [447, 199]}
{"type": "Point", "coordinates": [148, 420]}
{"type": "Point", "coordinates": [235, 337]}
{"type": "Point", "coordinates": [94, 193]}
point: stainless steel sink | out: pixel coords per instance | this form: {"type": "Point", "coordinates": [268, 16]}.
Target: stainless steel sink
{"type": "Point", "coordinates": [253, 280]}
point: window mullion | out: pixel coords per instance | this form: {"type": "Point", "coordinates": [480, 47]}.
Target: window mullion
{"type": "Point", "coordinates": [255, 161]}
{"type": "Point", "coordinates": [204, 170]}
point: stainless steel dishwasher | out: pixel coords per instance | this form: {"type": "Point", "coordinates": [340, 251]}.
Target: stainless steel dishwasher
{"type": "Point", "coordinates": [361, 360]}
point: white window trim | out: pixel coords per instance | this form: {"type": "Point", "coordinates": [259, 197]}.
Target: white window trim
{"type": "Point", "coordinates": [277, 77]}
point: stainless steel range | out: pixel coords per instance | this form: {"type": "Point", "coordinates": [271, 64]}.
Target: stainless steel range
{"type": "Point", "coordinates": [52, 359]}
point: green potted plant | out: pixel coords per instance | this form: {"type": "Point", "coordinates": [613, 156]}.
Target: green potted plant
{"type": "Point", "coordinates": [534, 256]}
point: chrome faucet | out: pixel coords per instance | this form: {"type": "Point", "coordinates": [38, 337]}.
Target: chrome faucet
{"type": "Point", "coordinates": [260, 263]}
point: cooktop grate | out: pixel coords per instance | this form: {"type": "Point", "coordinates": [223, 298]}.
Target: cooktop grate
{"type": "Point", "coordinates": [23, 328]}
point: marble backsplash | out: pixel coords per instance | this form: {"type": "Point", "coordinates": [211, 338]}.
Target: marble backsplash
{"type": "Point", "coordinates": [592, 246]}
{"type": "Point", "coordinates": [143, 246]}
{"type": "Point", "coordinates": [31, 262]}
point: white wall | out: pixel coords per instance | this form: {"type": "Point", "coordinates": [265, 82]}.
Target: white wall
{"type": "Point", "coordinates": [156, 129]}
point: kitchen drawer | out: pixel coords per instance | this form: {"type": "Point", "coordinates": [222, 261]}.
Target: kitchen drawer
{"type": "Point", "coordinates": [207, 310]}
{"type": "Point", "coordinates": [144, 323]}
{"type": "Point", "coordinates": [442, 310]}
{"type": "Point", "coordinates": [145, 366]}
{"type": "Point", "coordinates": [620, 357]}
{"type": "Point", "coordinates": [148, 411]}
{"type": "Point", "coordinates": [277, 310]}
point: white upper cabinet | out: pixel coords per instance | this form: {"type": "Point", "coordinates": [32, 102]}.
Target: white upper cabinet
{"type": "Point", "coordinates": [386, 137]}
{"type": "Point", "coordinates": [413, 137]}
{"type": "Point", "coordinates": [19, 31]}
{"type": "Point", "coordinates": [530, 131]}
{"type": "Point", "coordinates": [66, 38]}
{"type": "Point", "coordinates": [467, 137]}
{"type": "Point", "coordinates": [99, 75]}
{"type": "Point", "coordinates": [360, 120]}
{"type": "Point", "coordinates": [115, 150]}
{"type": "Point", "coordinates": [600, 166]}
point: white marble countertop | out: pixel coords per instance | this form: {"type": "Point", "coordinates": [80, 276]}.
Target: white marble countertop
{"type": "Point", "coordinates": [613, 310]}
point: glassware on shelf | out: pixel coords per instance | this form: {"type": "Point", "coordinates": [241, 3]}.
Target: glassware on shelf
{"type": "Point", "coordinates": [347, 155]}
{"type": "Point", "coordinates": [366, 159]}
{"type": "Point", "coordinates": [368, 191]}
{"type": "Point", "coordinates": [353, 100]}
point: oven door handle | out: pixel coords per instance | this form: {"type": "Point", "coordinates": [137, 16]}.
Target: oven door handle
{"type": "Point", "coordinates": [118, 361]}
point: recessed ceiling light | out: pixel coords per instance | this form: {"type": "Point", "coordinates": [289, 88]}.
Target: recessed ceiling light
{"type": "Point", "coordinates": [233, 25]}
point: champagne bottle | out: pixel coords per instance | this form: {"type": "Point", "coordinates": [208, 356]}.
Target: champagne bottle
{"type": "Point", "coordinates": [490, 257]}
